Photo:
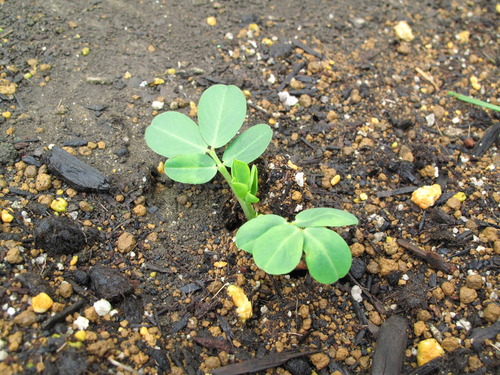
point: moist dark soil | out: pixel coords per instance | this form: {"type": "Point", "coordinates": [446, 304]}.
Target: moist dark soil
{"type": "Point", "coordinates": [130, 276]}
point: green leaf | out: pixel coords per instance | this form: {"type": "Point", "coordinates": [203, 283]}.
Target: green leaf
{"type": "Point", "coordinates": [240, 190]}
{"type": "Point", "coordinates": [191, 168]}
{"type": "Point", "coordinates": [173, 133]}
{"type": "Point", "coordinates": [472, 100]}
{"type": "Point", "coordinates": [241, 172]}
{"type": "Point", "coordinates": [249, 145]}
{"type": "Point", "coordinates": [278, 250]}
{"type": "Point", "coordinates": [253, 229]}
{"type": "Point", "coordinates": [328, 256]}
{"type": "Point", "coordinates": [221, 112]}
{"type": "Point", "coordinates": [250, 198]}
{"type": "Point", "coordinates": [324, 217]}
{"type": "Point", "coordinates": [254, 180]}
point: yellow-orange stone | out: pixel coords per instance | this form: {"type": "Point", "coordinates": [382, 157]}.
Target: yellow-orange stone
{"type": "Point", "coordinates": [41, 303]}
{"type": "Point", "coordinates": [428, 350]}
{"type": "Point", "coordinates": [426, 196]}
{"type": "Point", "coordinates": [243, 305]}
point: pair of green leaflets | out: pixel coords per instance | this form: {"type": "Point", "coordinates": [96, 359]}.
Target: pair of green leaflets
{"type": "Point", "coordinates": [276, 245]}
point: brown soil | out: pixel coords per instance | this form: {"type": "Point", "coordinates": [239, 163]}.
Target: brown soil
{"type": "Point", "coordinates": [372, 109]}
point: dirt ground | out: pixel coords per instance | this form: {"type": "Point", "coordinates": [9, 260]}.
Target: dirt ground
{"type": "Point", "coordinates": [372, 124]}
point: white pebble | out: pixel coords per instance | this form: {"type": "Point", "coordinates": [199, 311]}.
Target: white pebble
{"type": "Point", "coordinates": [299, 179]}
{"type": "Point", "coordinates": [431, 119]}
{"type": "Point", "coordinates": [102, 307]}
{"type": "Point", "coordinates": [465, 324]}
{"type": "Point", "coordinates": [299, 208]}
{"type": "Point", "coordinates": [356, 293]}
{"type": "Point", "coordinates": [287, 99]}
{"type": "Point", "coordinates": [81, 323]}
{"type": "Point", "coordinates": [157, 104]}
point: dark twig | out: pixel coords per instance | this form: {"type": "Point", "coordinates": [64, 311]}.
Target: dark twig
{"type": "Point", "coordinates": [391, 346]}
{"type": "Point", "coordinates": [258, 108]}
{"type": "Point", "coordinates": [308, 144]}
{"type": "Point", "coordinates": [490, 137]}
{"type": "Point", "coordinates": [154, 267]}
{"type": "Point", "coordinates": [434, 259]}
{"type": "Point", "coordinates": [296, 69]}
{"type": "Point", "coordinates": [275, 286]}
{"type": "Point", "coordinates": [257, 364]}
{"type": "Point", "coordinates": [307, 49]}
{"type": "Point", "coordinates": [398, 191]}
{"type": "Point", "coordinates": [52, 321]}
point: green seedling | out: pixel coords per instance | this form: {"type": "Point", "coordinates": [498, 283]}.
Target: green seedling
{"type": "Point", "coordinates": [276, 245]}
{"type": "Point", "coordinates": [190, 148]}
{"type": "Point", "coordinates": [474, 101]}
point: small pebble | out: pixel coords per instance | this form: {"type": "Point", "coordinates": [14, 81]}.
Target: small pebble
{"type": "Point", "coordinates": [126, 242]}
{"type": "Point", "coordinates": [403, 31]}
{"type": "Point", "coordinates": [450, 344]}
{"type": "Point", "coordinates": [448, 288]}
{"type": "Point", "coordinates": [140, 210]}
{"type": "Point", "coordinates": [41, 303]}
{"type": "Point", "coordinates": [13, 256]}
{"type": "Point", "coordinates": [427, 350]}
{"type": "Point", "coordinates": [26, 318]}
{"type": "Point", "coordinates": [102, 307]}
{"type": "Point", "coordinates": [212, 21]}
{"type": "Point", "coordinates": [474, 281]}
{"type": "Point", "coordinates": [387, 266]}
{"type": "Point", "coordinates": [304, 311]}
{"type": "Point", "coordinates": [85, 206]}
{"type": "Point", "coordinates": [426, 196]}
{"type": "Point", "coordinates": [43, 182]}
{"type": "Point", "coordinates": [59, 204]}
{"type": "Point", "coordinates": [419, 328]}
{"type": "Point", "coordinates": [7, 216]}
{"type": "Point", "coordinates": [305, 100]}
{"type": "Point", "coordinates": [467, 295]}
{"type": "Point", "coordinates": [65, 290]}
{"type": "Point", "coordinates": [492, 312]}
{"type": "Point", "coordinates": [320, 360]}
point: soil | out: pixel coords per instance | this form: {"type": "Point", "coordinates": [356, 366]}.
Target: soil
{"type": "Point", "coordinates": [372, 124]}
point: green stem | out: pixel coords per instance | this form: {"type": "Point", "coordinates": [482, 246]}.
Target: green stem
{"type": "Point", "coordinates": [247, 208]}
{"type": "Point", "coordinates": [470, 100]}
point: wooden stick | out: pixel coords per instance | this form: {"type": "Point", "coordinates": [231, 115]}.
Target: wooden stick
{"type": "Point", "coordinates": [434, 259]}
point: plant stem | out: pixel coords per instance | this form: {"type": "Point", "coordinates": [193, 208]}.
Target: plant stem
{"type": "Point", "coordinates": [470, 100]}
{"type": "Point", "coordinates": [247, 208]}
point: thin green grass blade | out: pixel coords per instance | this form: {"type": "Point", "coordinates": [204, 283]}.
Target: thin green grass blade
{"type": "Point", "coordinates": [474, 101]}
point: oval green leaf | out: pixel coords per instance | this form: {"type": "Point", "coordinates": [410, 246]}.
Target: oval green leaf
{"type": "Point", "coordinates": [254, 180]}
{"type": "Point", "coordinates": [173, 133]}
{"type": "Point", "coordinates": [191, 168]}
{"type": "Point", "coordinates": [239, 189]}
{"type": "Point", "coordinates": [221, 112]}
{"type": "Point", "coordinates": [241, 172]}
{"type": "Point", "coordinates": [328, 256]}
{"type": "Point", "coordinates": [324, 217]}
{"type": "Point", "coordinates": [278, 251]}
{"type": "Point", "coordinates": [249, 145]}
{"type": "Point", "coordinates": [250, 198]}
{"type": "Point", "coordinates": [253, 229]}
